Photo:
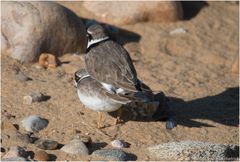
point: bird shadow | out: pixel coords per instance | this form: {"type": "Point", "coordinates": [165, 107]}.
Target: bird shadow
{"type": "Point", "coordinates": [222, 108]}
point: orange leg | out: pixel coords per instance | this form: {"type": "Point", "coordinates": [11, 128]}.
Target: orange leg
{"type": "Point", "coordinates": [119, 114]}
{"type": "Point", "coordinates": [99, 120]}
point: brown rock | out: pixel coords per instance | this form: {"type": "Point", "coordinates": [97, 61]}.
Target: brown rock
{"type": "Point", "coordinates": [41, 156]}
{"type": "Point", "coordinates": [46, 144]}
{"type": "Point", "coordinates": [120, 13]}
{"type": "Point", "coordinates": [31, 28]}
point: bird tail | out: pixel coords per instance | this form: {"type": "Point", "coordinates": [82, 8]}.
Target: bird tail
{"type": "Point", "coordinates": [140, 96]}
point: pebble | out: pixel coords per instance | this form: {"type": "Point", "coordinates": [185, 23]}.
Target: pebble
{"type": "Point", "coordinates": [41, 156]}
{"type": "Point", "coordinates": [26, 138]}
{"type": "Point", "coordinates": [34, 97]}
{"type": "Point", "coordinates": [7, 115]}
{"type": "Point", "coordinates": [75, 146]}
{"type": "Point", "coordinates": [34, 123]}
{"type": "Point", "coordinates": [85, 139]}
{"type": "Point", "coordinates": [14, 159]}
{"type": "Point", "coordinates": [22, 77]}
{"type": "Point", "coordinates": [119, 144]}
{"type": "Point", "coordinates": [111, 154]}
{"type": "Point", "coordinates": [178, 31]}
{"type": "Point", "coordinates": [46, 144]}
{"type": "Point", "coordinates": [15, 151]}
{"type": "Point", "coordinates": [2, 149]}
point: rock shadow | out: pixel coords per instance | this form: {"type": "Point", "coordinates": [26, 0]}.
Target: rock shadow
{"type": "Point", "coordinates": [192, 8]}
{"type": "Point", "coordinates": [222, 108]}
{"type": "Point", "coordinates": [96, 146]}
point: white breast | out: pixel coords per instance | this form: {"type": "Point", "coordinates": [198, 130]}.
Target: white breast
{"type": "Point", "coordinates": [97, 104]}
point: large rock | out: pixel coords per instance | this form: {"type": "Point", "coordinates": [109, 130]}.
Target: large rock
{"type": "Point", "coordinates": [192, 150]}
{"type": "Point", "coordinates": [31, 28]}
{"type": "Point", "coordinates": [119, 13]}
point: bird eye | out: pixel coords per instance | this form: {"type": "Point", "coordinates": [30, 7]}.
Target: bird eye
{"type": "Point", "coordinates": [89, 36]}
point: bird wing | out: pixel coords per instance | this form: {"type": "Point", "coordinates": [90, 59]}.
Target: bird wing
{"type": "Point", "coordinates": [110, 63]}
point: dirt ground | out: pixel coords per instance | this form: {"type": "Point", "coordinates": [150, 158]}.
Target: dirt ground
{"type": "Point", "coordinates": [193, 69]}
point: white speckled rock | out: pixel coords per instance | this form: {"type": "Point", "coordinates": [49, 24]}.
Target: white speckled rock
{"type": "Point", "coordinates": [75, 146]}
{"type": "Point", "coordinates": [34, 123]}
{"type": "Point", "coordinates": [31, 28]}
{"type": "Point", "coordinates": [194, 150]}
{"type": "Point", "coordinates": [111, 154]}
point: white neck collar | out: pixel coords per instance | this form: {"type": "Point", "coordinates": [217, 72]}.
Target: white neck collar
{"type": "Point", "coordinates": [96, 41]}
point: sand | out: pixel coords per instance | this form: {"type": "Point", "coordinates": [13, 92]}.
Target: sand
{"type": "Point", "coordinates": [193, 69]}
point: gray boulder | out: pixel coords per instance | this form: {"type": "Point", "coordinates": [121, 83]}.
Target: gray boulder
{"type": "Point", "coordinates": [31, 28]}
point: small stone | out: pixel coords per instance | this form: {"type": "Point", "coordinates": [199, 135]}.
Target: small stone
{"type": "Point", "coordinates": [34, 97]}
{"type": "Point", "coordinates": [2, 149]}
{"type": "Point", "coordinates": [85, 139]}
{"type": "Point", "coordinates": [14, 159]}
{"type": "Point", "coordinates": [111, 154]}
{"type": "Point", "coordinates": [22, 77]}
{"type": "Point", "coordinates": [46, 144]}
{"type": "Point", "coordinates": [178, 31]}
{"type": "Point", "coordinates": [41, 156]}
{"type": "Point", "coordinates": [7, 115]}
{"type": "Point", "coordinates": [34, 123]}
{"type": "Point", "coordinates": [22, 137]}
{"type": "Point", "coordinates": [119, 144]}
{"type": "Point", "coordinates": [15, 151]}
{"type": "Point", "coordinates": [75, 146]}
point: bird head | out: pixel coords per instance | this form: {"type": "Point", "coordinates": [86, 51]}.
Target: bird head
{"type": "Point", "coordinates": [95, 34]}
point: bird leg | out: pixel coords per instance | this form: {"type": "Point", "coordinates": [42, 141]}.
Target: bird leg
{"type": "Point", "coordinates": [99, 120]}
{"type": "Point", "coordinates": [119, 114]}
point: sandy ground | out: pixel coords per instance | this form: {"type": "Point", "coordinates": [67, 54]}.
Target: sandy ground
{"type": "Point", "coordinates": [193, 69]}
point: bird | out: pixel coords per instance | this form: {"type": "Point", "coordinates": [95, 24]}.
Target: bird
{"type": "Point", "coordinates": [109, 63]}
{"type": "Point", "coordinates": [111, 73]}
{"type": "Point", "coordinates": [95, 97]}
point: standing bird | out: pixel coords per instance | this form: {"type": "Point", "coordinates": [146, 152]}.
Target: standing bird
{"type": "Point", "coordinates": [95, 97]}
{"type": "Point", "coordinates": [110, 72]}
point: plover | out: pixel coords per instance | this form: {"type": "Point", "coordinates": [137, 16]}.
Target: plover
{"type": "Point", "coordinates": [110, 67]}
{"type": "Point", "coordinates": [95, 97]}
{"type": "Point", "coordinates": [109, 63]}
